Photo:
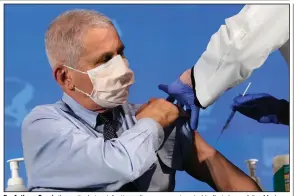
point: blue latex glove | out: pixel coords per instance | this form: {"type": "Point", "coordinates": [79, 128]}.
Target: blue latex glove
{"type": "Point", "coordinates": [185, 96]}
{"type": "Point", "coordinates": [262, 107]}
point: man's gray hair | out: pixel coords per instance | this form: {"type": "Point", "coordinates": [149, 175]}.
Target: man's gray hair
{"type": "Point", "coordinates": [63, 39]}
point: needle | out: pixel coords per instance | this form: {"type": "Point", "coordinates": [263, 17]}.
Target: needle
{"type": "Point", "coordinates": [232, 115]}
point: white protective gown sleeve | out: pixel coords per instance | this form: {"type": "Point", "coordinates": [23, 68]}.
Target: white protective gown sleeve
{"type": "Point", "coordinates": [240, 46]}
{"type": "Point", "coordinates": [285, 51]}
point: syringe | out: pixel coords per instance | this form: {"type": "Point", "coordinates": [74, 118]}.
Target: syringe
{"type": "Point", "coordinates": [232, 115]}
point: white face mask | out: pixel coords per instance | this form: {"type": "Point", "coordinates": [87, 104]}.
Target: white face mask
{"type": "Point", "coordinates": [111, 82]}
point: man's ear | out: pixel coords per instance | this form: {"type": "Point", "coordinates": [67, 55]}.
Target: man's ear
{"type": "Point", "coordinates": [63, 77]}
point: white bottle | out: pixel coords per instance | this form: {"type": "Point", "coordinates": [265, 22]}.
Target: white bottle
{"type": "Point", "coordinates": [15, 183]}
{"type": "Point", "coordinates": [251, 164]}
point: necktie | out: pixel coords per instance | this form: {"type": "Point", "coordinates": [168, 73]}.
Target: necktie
{"type": "Point", "coordinates": [109, 132]}
{"type": "Point", "coordinates": [110, 125]}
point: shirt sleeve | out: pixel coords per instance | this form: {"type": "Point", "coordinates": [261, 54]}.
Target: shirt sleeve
{"type": "Point", "coordinates": [59, 155]}
{"type": "Point", "coordinates": [237, 48]}
{"type": "Point", "coordinates": [176, 150]}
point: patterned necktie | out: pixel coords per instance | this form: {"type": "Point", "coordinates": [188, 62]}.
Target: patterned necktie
{"type": "Point", "coordinates": [109, 130]}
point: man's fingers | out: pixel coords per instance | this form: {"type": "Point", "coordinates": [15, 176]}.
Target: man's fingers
{"type": "Point", "coordinates": [141, 108]}
{"type": "Point", "coordinates": [151, 100]}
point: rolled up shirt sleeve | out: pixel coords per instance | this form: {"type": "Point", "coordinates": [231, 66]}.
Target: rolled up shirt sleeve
{"type": "Point", "coordinates": [59, 155]}
{"type": "Point", "coordinates": [237, 48]}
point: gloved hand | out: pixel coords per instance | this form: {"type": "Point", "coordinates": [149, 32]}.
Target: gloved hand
{"type": "Point", "coordinates": [184, 95]}
{"type": "Point", "coordinates": [262, 107]}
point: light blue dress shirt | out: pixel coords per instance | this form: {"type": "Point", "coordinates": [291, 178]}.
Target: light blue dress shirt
{"type": "Point", "coordinates": [65, 151]}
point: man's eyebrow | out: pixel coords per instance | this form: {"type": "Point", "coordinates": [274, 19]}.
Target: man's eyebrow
{"type": "Point", "coordinates": [103, 55]}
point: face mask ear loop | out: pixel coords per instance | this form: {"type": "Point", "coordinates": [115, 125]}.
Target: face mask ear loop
{"type": "Point", "coordinates": [82, 92]}
{"type": "Point", "coordinates": [92, 92]}
{"type": "Point", "coordinates": [75, 69]}
{"type": "Point", "coordinates": [76, 87]}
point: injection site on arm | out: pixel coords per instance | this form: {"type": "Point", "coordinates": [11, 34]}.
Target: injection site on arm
{"type": "Point", "coordinates": [50, 143]}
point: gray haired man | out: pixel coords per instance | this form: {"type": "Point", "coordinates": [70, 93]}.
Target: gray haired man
{"type": "Point", "coordinates": [94, 140]}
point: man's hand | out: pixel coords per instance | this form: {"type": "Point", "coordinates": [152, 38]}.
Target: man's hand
{"type": "Point", "coordinates": [160, 110]}
{"type": "Point", "coordinates": [183, 93]}
{"type": "Point", "coordinates": [261, 107]}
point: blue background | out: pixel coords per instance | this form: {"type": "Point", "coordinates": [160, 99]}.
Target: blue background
{"type": "Point", "coordinates": [161, 42]}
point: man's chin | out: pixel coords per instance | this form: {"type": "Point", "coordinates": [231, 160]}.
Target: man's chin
{"type": "Point", "coordinates": [92, 106]}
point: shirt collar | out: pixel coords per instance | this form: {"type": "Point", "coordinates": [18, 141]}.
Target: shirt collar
{"type": "Point", "coordinates": [88, 116]}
